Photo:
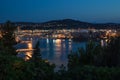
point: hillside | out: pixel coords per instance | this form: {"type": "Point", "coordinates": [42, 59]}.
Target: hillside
{"type": "Point", "coordinates": [66, 24]}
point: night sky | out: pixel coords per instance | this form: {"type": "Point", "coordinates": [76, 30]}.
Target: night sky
{"type": "Point", "coordinates": [95, 11]}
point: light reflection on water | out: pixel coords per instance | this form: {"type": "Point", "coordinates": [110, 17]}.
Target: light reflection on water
{"type": "Point", "coordinates": [28, 55]}
{"type": "Point", "coordinates": [29, 45]}
{"type": "Point", "coordinates": [57, 50]}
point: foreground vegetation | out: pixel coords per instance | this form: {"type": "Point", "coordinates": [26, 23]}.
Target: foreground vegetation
{"type": "Point", "coordinates": [92, 63]}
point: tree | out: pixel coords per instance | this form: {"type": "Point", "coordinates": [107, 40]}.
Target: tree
{"type": "Point", "coordinates": [36, 53]}
{"type": "Point", "coordinates": [8, 38]}
{"type": "Point", "coordinates": [43, 70]}
{"type": "Point", "coordinates": [112, 53]}
{"type": "Point", "coordinates": [91, 55]}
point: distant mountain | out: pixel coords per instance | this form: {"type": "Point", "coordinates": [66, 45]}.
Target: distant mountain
{"type": "Point", "coordinates": [70, 23]}
{"type": "Point", "coordinates": [67, 21]}
{"type": "Point", "coordinates": [24, 23]}
{"type": "Point", "coordinates": [66, 24]}
{"type": "Point", "coordinates": [107, 25]}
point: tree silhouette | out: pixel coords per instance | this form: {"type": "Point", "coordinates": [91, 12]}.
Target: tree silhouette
{"type": "Point", "coordinates": [112, 53]}
{"type": "Point", "coordinates": [8, 38]}
{"type": "Point", "coordinates": [36, 53]}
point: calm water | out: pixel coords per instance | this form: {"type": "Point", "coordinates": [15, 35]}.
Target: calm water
{"type": "Point", "coordinates": [57, 50]}
{"type": "Point", "coordinates": [54, 50]}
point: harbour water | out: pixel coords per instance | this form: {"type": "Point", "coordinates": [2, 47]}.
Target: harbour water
{"type": "Point", "coordinates": [54, 50]}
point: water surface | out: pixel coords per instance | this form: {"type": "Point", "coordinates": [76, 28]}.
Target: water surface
{"type": "Point", "coordinates": [57, 50]}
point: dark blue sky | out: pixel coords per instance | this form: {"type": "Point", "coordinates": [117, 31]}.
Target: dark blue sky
{"type": "Point", "coordinates": [45, 10]}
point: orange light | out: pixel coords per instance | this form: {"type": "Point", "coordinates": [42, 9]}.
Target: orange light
{"type": "Point", "coordinates": [28, 56]}
{"type": "Point", "coordinates": [58, 41]}
{"type": "Point", "coordinates": [29, 45]}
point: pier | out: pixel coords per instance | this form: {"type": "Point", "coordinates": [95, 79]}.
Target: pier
{"type": "Point", "coordinates": [24, 50]}
{"type": "Point", "coordinates": [28, 51]}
